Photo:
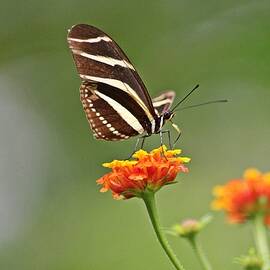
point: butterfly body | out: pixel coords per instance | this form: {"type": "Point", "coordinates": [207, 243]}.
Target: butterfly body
{"type": "Point", "coordinates": [115, 99]}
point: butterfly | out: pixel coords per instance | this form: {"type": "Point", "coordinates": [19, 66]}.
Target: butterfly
{"type": "Point", "coordinates": [114, 97]}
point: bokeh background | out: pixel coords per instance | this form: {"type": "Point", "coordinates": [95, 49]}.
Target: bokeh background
{"type": "Point", "coordinates": [52, 214]}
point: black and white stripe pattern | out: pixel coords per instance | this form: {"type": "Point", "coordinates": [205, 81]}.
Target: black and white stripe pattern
{"type": "Point", "coordinates": [103, 115]}
{"type": "Point", "coordinates": [163, 102]}
{"type": "Point", "coordinates": [115, 100]}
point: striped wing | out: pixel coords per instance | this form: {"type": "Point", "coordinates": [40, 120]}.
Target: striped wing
{"type": "Point", "coordinates": [163, 102]}
{"type": "Point", "coordinates": [103, 117]}
{"type": "Point", "coordinates": [100, 61]}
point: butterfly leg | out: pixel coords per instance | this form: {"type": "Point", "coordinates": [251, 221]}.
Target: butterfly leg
{"type": "Point", "coordinates": [161, 142]}
{"type": "Point", "coordinates": [178, 131]}
{"type": "Point", "coordinates": [178, 137]}
{"type": "Point", "coordinates": [135, 148]}
{"type": "Point", "coordinates": [168, 132]}
{"type": "Point", "coordinates": [142, 138]}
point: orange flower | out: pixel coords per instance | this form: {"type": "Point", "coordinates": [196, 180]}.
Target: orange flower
{"type": "Point", "coordinates": [149, 171]}
{"type": "Point", "coordinates": [243, 198]}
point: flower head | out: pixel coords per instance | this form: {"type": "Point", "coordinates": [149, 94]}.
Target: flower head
{"type": "Point", "coordinates": [243, 198]}
{"type": "Point", "coordinates": [190, 227]}
{"type": "Point", "coordinates": [148, 171]}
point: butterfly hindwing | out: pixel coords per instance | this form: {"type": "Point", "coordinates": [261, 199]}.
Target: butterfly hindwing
{"type": "Point", "coordinates": [104, 120]}
{"type": "Point", "coordinates": [163, 102]}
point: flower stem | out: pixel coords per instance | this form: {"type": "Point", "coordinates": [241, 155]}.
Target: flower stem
{"type": "Point", "coordinates": [261, 240]}
{"type": "Point", "coordinates": [199, 253]}
{"type": "Point", "coordinates": [150, 202]}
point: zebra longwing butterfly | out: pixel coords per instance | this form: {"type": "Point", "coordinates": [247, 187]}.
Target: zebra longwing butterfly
{"type": "Point", "coordinates": [115, 99]}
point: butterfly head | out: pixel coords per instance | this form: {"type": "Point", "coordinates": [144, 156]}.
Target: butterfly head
{"type": "Point", "coordinates": [168, 115]}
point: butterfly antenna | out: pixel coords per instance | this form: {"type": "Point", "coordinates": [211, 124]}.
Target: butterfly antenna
{"type": "Point", "coordinates": [204, 103]}
{"type": "Point", "coordinates": [185, 97]}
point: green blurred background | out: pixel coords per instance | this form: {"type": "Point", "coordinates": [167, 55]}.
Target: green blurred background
{"type": "Point", "coordinates": [52, 214]}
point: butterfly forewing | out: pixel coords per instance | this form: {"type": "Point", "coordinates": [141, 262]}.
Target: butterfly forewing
{"type": "Point", "coordinates": [100, 60]}
{"type": "Point", "coordinates": [163, 102]}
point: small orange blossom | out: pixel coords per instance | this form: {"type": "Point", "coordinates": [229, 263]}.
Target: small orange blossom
{"type": "Point", "coordinates": [148, 171]}
{"type": "Point", "coordinates": [243, 198]}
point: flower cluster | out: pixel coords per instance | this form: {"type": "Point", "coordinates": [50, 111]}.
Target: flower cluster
{"type": "Point", "coordinates": [148, 171]}
{"type": "Point", "coordinates": [243, 198]}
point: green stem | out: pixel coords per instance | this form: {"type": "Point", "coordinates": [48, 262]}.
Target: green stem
{"type": "Point", "coordinates": [199, 253]}
{"type": "Point", "coordinates": [150, 202]}
{"type": "Point", "coordinates": [261, 240]}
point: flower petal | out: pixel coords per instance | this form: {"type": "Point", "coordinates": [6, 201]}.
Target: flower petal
{"type": "Point", "coordinates": [151, 170]}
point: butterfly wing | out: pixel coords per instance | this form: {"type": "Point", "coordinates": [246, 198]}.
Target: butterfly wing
{"type": "Point", "coordinates": [100, 60]}
{"type": "Point", "coordinates": [163, 102]}
{"type": "Point", "coordinates": [105, 121]}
